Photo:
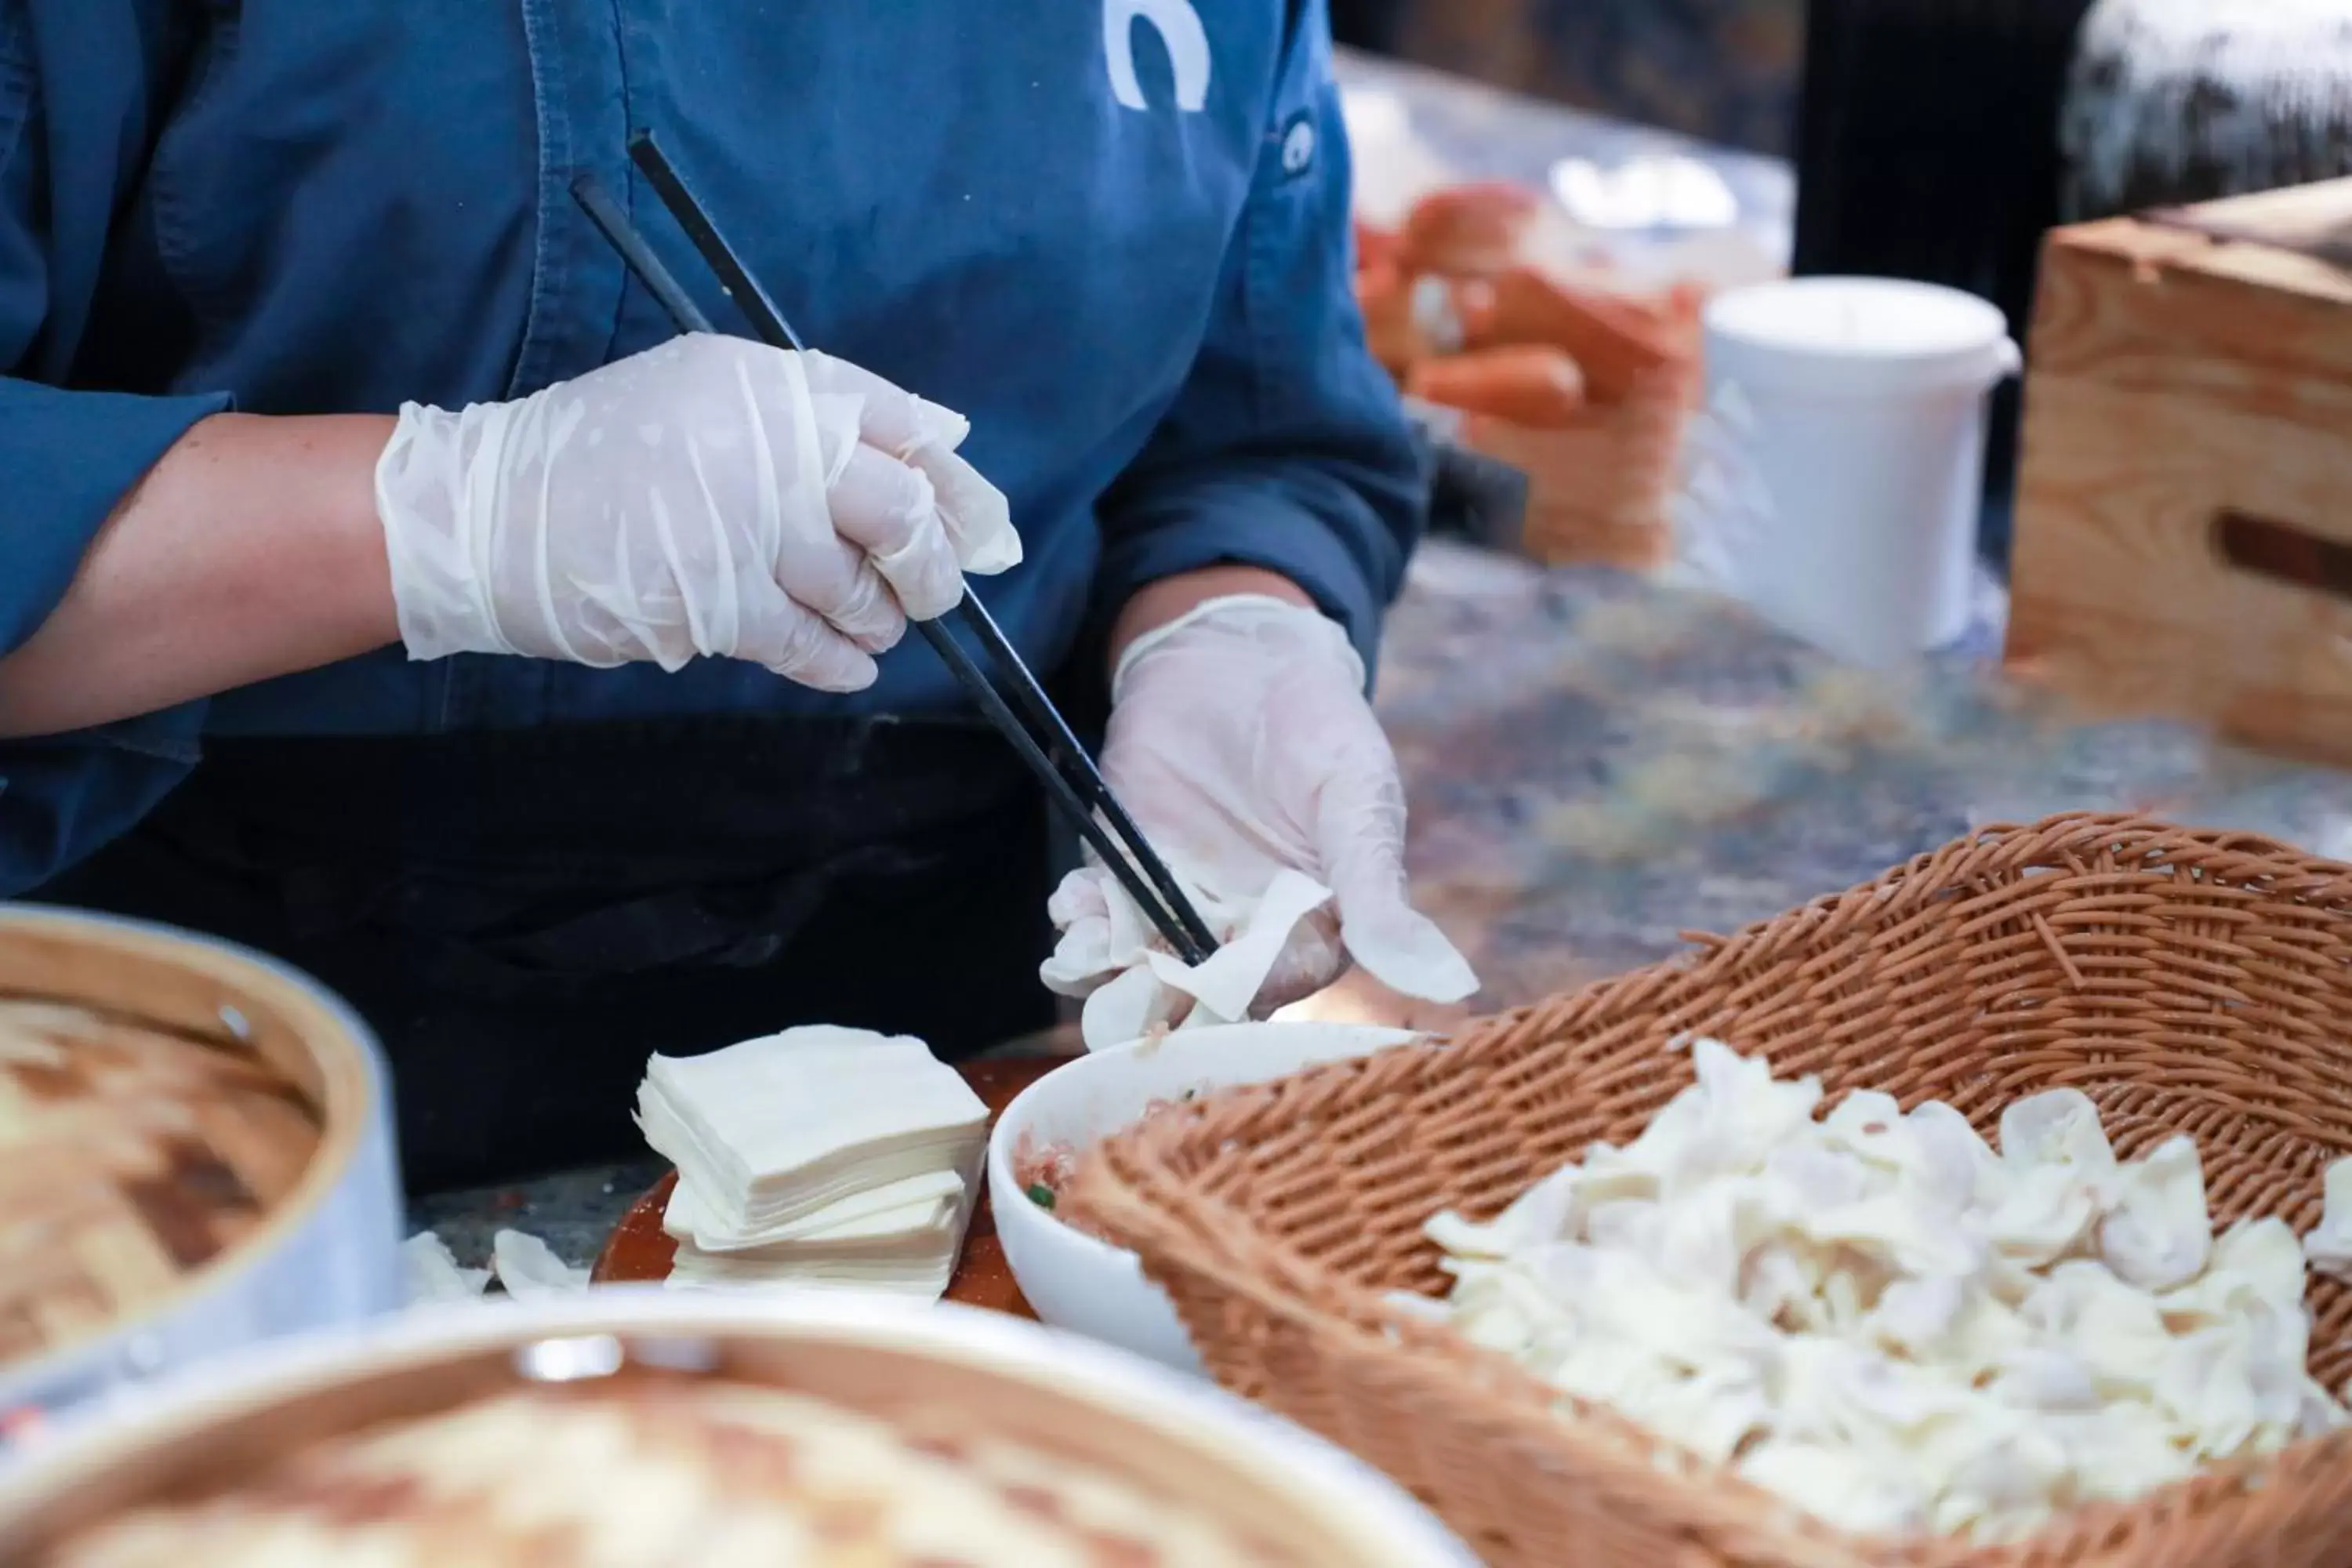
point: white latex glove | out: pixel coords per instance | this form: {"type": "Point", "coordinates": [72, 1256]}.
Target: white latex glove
{"type": "Point", "coordinates": [1242, 741]}
{"type": "Point", "coordinates": [709, 496]}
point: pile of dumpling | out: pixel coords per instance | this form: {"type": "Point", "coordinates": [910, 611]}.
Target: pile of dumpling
{"type": "Point", "coordinates": [1883, 1322]}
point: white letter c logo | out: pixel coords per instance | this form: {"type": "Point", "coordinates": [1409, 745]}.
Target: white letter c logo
{"type": "Point", "coordinates": [1180, 29]}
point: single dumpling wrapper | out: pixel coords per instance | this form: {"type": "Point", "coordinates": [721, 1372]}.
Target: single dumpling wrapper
{"type": "Point", "coordinates": [926, 1230]}
{"type": "Point", "coordinates": [925, 1279]}
{"type": "Point", "coordinates": [529, 1270]}
{"type": "Point", "coordinates": [914, 1206]}
{"type": "Point", "coordinates": [1229, 981]}
{"type": "Point", "coordinates": [1133, 987]}
{"type": "Point", "coordinates": [434, 1274]}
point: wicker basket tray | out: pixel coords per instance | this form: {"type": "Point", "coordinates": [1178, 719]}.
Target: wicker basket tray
{"type": "Point", "coordinates": [2189, 982]}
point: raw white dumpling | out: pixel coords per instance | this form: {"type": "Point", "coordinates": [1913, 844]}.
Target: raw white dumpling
{"type": "Point", "coordinates": [1620, 1293]}
{"type": "Point", "coordinates": [1957, 1168]}
{"type": "Point", "coordinates": [1881, 1393]}
{"type": "Point", "coordinates": [2121, 1451]}
{"type": "Point", "coordinates": [1628, 1225]}
{"type": "Point", "coordinates": [1897, 1227]}
{"type": "Point", "coordinates": [1871, 1124]}
{"type": "Point", "coordinates": [2058, 1168]}
{"type": "Point", "coordinates": [1699, 1243]}
{"type": "Point", "coordinates": [1993, 1467]}
{"type": "Point", "coordinates": [2044, 1213]}
{"type": "Point", "coordinates": [1782, 1287]}
{"type": "Point", "coordinates": [2159, 1235]}
{"type": "Point", "coordinates": [2046, 1377]}
{"type": "Point", "coordinates": [2256, 1263]}
{"type": "Point", "coordinates": [2329, 1248]}
{"type": "Point", "coordinates": [2118, 1331]}
{"type": "Point", "coordinates": [2203, 1382]}
{"type": "Point", "coordinates": [1712, 1412]}
{"type": "Point", "coordinates": [1463, 1238]}
{"type": "Point", "coordinates": [1848, 1488]}
{"type": "Point", "coordinates": [2059, 1127]}
{"type": "Point", "coordinates": [2264, 1252]}
{"type": "Point", "coordinates": [1915, 1316]}
{"type": "Point", "coordinates": [1730, 1120]}
{"type": "Point", "coordinates": [1815, 1178]}
{"type": "Point", "coordinates": [1551, 1210]}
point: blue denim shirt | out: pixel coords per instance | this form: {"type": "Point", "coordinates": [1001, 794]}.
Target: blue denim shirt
{"type": "Point", "coordinates": [1112, 232]}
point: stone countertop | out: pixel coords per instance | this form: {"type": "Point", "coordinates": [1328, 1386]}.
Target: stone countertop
{"type": "Point", "coordinates": [1598, 763]}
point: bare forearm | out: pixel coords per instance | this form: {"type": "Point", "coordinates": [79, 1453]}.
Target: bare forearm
{"type": "Point", "coordinates": [252, 550]}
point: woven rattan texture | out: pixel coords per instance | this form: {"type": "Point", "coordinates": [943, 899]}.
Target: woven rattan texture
{"type": "Point", "coordinates": [2188, 981]}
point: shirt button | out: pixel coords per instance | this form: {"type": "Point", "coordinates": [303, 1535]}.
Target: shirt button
{"type": "Point", "coordinates": [1298, 149]}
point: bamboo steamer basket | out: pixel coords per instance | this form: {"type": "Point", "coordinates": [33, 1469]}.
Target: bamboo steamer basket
{"type": "Point", "coordinates": [195, 1152]}
{"type": "Point", "coordinates": [958, 1370]}
{"type": "Point", "coordinates": [2186, 980]}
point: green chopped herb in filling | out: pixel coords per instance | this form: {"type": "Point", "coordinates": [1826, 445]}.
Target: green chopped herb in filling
{"type": "Point", "coordinates": [1041, 1195]}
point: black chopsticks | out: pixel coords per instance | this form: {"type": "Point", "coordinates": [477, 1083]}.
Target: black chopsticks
{"type": "Point", "coordinates": [1070, 777]}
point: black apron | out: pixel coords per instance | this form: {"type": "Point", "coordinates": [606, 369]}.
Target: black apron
{"type": "Point", "coordinates": [524, 916]}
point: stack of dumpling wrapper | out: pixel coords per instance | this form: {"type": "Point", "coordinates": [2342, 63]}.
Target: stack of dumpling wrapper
{"type": "Point", "coordinates": [821, 1156]}
{"type": "Point", "coordinates": [1876, 1316]}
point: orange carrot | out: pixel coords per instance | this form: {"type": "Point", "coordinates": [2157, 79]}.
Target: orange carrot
{"type": "Point", "coordinates": [1533, 385]}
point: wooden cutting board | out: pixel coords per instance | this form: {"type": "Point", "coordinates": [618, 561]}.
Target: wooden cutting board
{"type": "Point", "coordinates": [639, 1251]}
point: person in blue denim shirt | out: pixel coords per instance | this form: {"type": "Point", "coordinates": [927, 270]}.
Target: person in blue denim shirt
{"type": "Point", "coordinates": [383, 586]}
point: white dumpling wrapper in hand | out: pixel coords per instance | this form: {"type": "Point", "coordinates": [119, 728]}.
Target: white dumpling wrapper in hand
{"type": "Point", "coordinates": [1225, 986]}
{"type": "Point", "coordinates": [1110, 955]}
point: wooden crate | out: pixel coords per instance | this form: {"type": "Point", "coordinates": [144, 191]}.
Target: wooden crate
{"type": "Point", "coordinates": [2184, 515]}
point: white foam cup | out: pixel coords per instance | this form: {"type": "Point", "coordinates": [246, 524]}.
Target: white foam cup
{"type": "Point", "coordinates": [1833, 478]}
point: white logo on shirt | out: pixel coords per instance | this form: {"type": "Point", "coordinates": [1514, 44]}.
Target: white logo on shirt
{"type": "Point", "coordinates": [1180, 29]}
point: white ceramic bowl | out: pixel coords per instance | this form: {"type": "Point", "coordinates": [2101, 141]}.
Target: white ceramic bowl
{"type": "Point", "coordinates": [212, 1426]}
{"type": "Point", "coordinates": [328, 1254]}
{"type": "Point", "coordinates": [1091, 1287]}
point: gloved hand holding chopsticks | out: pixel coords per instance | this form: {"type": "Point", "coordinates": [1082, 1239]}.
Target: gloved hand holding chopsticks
{"type": "Point", "coordinates": [1242, 739]}
{"type": "Point", "coordinates": [710, 495]}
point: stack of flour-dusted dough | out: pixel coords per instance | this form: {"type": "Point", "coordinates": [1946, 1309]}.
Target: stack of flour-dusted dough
{"type": "Point", "coordinates": [820, 1156]}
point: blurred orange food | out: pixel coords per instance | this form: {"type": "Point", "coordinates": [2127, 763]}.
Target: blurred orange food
{"type": "Point", "coordinates": [1618, 340]}
{"type": "Point", "coordinates": [1385, 294]}
{"type": "Point", "coordinates": [1587, 389]}
{"type": "Point", "coordinates": [1533, 385]}
{"type": "Point", "coordinates": [1469, 229]}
